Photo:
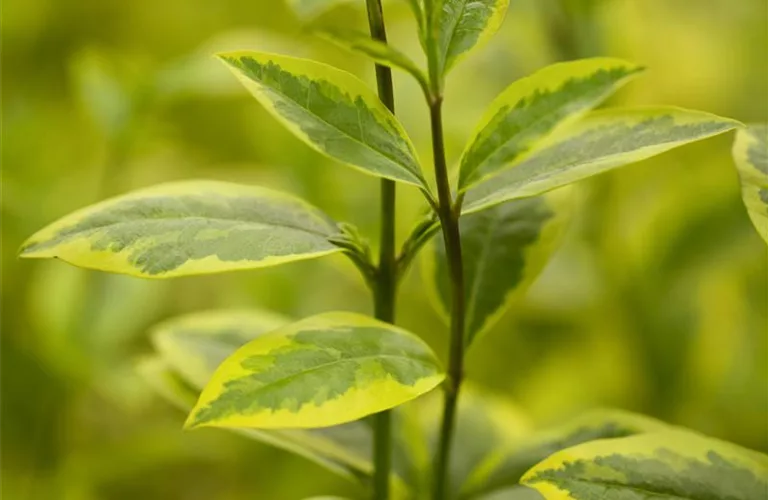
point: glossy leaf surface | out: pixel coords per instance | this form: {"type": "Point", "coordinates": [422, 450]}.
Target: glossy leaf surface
{"type": "Point", "coordinates": [184, 228]}
{"type": "Point", "coordinates": [504, 250]}
{"type": "Point", "coordinates": [601, 141]}
{"type": "Point", "coordinates": [751, 154]}
{"type": "Point", "coordinates": [461, 25]}
{"type": "Point", "coordinates": [330, 110]}
{"type": "Point", "coordinates": [324, 370]}
{"type": "Point", "coordinates": [532, 107]}
{"type": "Point", "coordinates": [670, 464]}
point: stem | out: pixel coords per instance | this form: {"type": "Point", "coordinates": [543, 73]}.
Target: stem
{"type": "Point", "coordinates": [435, 78]}
{"type": "Point", "coordinates": [449, 218]}
{"type": "Point", "coordinates": [385, 286]}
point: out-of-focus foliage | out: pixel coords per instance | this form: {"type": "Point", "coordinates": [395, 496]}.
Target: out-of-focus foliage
{"type": "Point", "coordinates": [655, 302]}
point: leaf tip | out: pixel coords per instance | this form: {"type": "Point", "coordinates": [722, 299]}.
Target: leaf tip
{"type": "Point", "coordinates": [230, 59]}
{"type": "Point", "coordinates": [26, 250]}
{"type": "Point", "coordinates": [192, 422]}
{"type": "Point", "coordinates": [728, 123]}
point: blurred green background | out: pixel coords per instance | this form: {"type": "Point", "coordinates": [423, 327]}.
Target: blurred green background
{"type": "Point", "coordinates": [657, 302]}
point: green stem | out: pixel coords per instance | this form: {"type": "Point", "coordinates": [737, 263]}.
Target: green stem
{"type": "Point", "coordinates": [386, 279]}
{"type": "Point", "coordinates": [433, 68]}
{"type": "Point", "coordinates": [449, 218]}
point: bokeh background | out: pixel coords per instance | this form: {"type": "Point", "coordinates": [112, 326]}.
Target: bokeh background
{"type": "Point", "coordinates": [657, 302]}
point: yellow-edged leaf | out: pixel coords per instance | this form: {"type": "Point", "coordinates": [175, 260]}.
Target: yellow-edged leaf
{"type": "Point", "coordinates": [190, 348]}
{"type": "Point", "coordinates": [511, 463]}
{"type": "Point", "coordinates": [668, 464]}
{"type": "Point", "coordinates": [185, 228]}
{"type": "Point", "coordinates": [460, 25]}
{"type": "Point", "coordinates": [330, 110]}
{"type": "Point", "coordinates": [532, 107]}
{"type": "Point", "coordinates": [324, 370]}
{"type": "Point", "coordinates": [601, 141]}
{"type": "Point", "coordinates": [750, 150]}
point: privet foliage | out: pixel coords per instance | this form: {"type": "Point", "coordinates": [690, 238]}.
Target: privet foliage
{"type": "Point", "coordinates": [751, 154]}
{"type": "Point", "coordinates": [304, 385]}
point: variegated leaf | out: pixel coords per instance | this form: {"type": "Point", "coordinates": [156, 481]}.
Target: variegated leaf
{"type": "Point", "coordinates": [510, 464]}
{"type": "Point", "coordinates": [601, 141]}
{"type": "Point", "coordinates": [504, 249]}
{"type": "Point", "coordinates": [324, 370]}
{"type": "Point", "coordinates": [669, 464]}
{"type": "Point", "coordinates": [330, 110]}
{"type": "Point", "coordinates": [190, 348]}
{"type": "Point", "coordinates": [751, 154]}
{"type": "Point", "coordinates": [532, 107]}
{"type": "Point", "coordinates": [460, 25]}
{"type": "Point", "coordinates": [184, 228]}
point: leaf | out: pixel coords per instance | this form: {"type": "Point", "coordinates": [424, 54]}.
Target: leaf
{"type": "Point", "coordinates": [669, 464]}
{"type": "Point", "coordinates": [380, 52]}
{"type": "Point", "coordinates": [330, 110]}
{"type": "Point", "coordinates": [190, 347]}
{"type": "Point", "coordinates": [160, 377]}
{"type": "Point", "coordinates": [417, 7]}
{"type": "Point", "coordinates": [507, 468]}
{"type": "Point", "coordinates": [750, 150]}
{"type": "Point", "coordinates": [532, 107]}
{"type": "Point", "coordinates": [504, 249]}
{"type": "Point", "coordinates": [195, 344]}
{"type": "Point", "coordinates": [462, 25]}
{"type": "Point", "coordinates": [185, 228]}
{"type": "Point", "coordinates": [600, 142]}
{"type": "Point", "coordinates": [324, 370]}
